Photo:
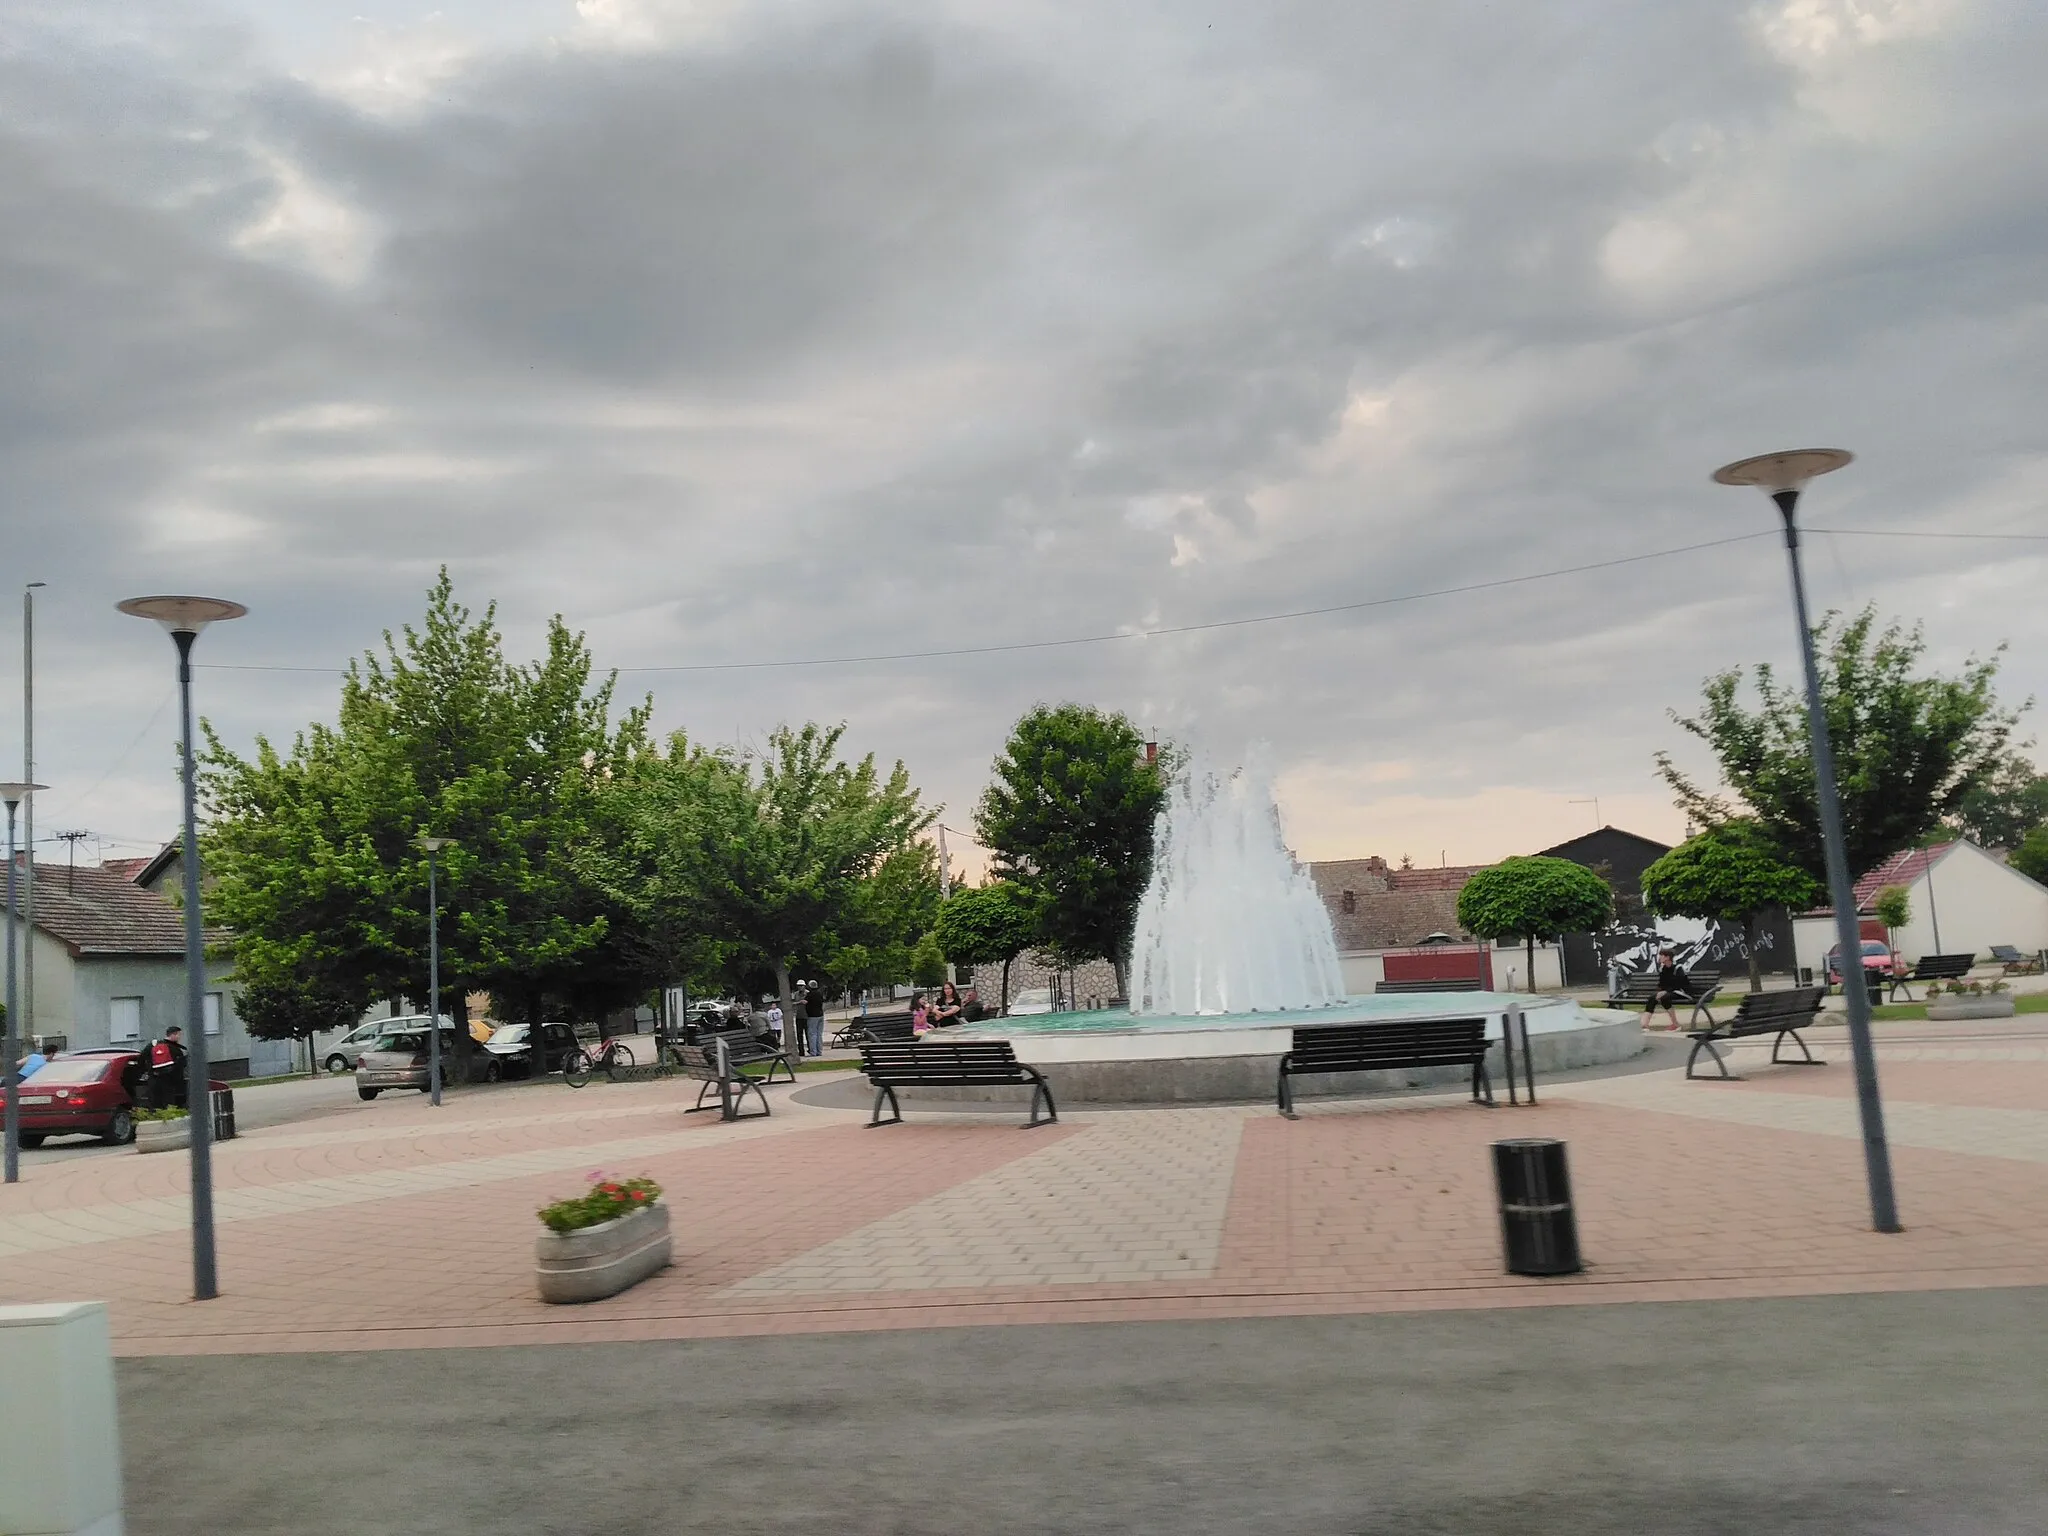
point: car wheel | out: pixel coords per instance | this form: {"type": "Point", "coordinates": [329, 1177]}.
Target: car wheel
{"type": "Point", "coordinates": [120, 1129]}
{"type": "Point", "coordinates": [493, 1072]}
{"type": "Point", "coordinates": [337, 1063]}
{"type": "Point", "coordinates": [31, 1139]}
{"type": "Point", "coordinates": [367, 1093]}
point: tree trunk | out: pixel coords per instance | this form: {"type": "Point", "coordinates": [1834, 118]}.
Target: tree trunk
{"type": "Point", "coordinates": [789, 1020]}
{"type": "Point", "coordinates": [457, 1008]}
{"type": "Point", "coordinates": [1117, 967]}
{"type": "Point", "coordinates": [1003, 1002]}
{"type": "Point", "coordinates": [1529, 980]}
{"type": "Point", "coordinates": [1756, 963]}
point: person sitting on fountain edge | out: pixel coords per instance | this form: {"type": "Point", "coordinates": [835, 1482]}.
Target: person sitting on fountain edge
{"type": "Point", "coordinates": [946, 1011]}
{"type": "Point", "coordinates": [972, 1010]}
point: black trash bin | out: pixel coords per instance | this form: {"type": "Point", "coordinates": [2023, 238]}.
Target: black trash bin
{"type": "Point", "coordinates": [1539, 1234]}
{"type": "Point", "coordinates": [223, 1114]}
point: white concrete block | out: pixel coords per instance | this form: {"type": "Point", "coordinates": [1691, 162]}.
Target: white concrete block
{"type": "Point", "coordinates": [60, 1458]}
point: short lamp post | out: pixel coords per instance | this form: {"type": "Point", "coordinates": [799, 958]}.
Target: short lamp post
{"type": "Point", "coordinates": [183, 618]}
{"type": "Point", "coordinates": [1782, 476]}
{"type": "Point", "coordinates": [10, 1053]}
{"type": "Point", "coordinates": [433, 847]}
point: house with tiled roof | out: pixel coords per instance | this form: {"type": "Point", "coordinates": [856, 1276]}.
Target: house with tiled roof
{"type": "Point", "coordinates": [110, 970]}
{"type": "Point", "coordinates": [1963, 900]}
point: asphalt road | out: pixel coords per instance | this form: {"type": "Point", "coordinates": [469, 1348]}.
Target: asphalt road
{"type": "Point", "coordinates": [1875, 1414]}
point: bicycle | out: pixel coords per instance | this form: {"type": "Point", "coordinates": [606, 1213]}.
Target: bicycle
{"type": "Point", "coordinates": [612, 1058]}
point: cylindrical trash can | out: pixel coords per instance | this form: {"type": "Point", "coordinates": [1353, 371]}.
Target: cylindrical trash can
{"type": "Point", "coordinates": [1874, 984]}
{"type": "Point", "coordinates": [1539, 1235]}
{"type": "Point", "coordinates": [223, 1114]}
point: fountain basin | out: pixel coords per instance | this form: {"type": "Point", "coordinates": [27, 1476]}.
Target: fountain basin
{"type": "Point", "coordinates": [1111, 1057]}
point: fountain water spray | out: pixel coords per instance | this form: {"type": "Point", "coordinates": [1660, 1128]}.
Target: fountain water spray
{"type": "Point", "coordinates": [1230, 923]}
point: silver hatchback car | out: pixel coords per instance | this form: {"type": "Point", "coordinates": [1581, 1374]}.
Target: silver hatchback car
{"type": "Point", "coordinates": [398, 1058]}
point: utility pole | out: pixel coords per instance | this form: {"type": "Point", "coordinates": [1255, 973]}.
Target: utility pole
{"type": "Point", "coordinates": [72, 839]}
{"type": "Point", "coordinates": [28, 811]}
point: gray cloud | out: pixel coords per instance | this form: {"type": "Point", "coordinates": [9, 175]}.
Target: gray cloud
{"type": "Point", "coordinates": [739, 335]}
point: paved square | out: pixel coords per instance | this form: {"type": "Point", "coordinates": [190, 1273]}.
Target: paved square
{"type": "Point", "coordinates": [391, 1225]}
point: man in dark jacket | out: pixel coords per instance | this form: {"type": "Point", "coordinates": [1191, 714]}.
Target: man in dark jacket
{"type": "Point", "coordinates": [1673, 987]}
{"type": "Point", "coordinates": [814, 1019]}
{"type": "Point", "coordinates": [167, 1068]}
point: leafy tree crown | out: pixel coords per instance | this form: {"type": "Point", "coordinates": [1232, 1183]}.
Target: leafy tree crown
{"type": "Point", "coordinates": [1534, 897]}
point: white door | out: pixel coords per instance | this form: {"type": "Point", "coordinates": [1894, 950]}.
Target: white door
{"type": "Point", "coordinates": [125, 1022]}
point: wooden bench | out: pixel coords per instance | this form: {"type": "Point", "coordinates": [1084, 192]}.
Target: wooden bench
{"type": "Point", "coordinates": [748, 1049]}
{"type": "Point", "coordinates": [712, 1065]}
{"type": "Point", "coordinates": [2015, 963]}
{"type": "Point", "coordinates": [1931, 968]}
{"type": "Point", "coordinates": [1454, 984]}
{"type": "Point", "coordinates": [1642, 991]}
{"type": "Point", "coordinates": [1762, 1013]}
{"type": "Point", "coordinates": [1387, 1047]}
{"type": "Point", "coordinates": [876, 1026]}
{"type": "Point", "coordinates": [928, 1063]}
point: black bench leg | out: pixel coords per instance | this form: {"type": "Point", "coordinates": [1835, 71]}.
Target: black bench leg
{"type": "Point", "coordinates": [1778, 1044]}
{"type": "Point", "coordinates": [1702, 1043]}
{"type": "Point", "coordinates": [1041, 1089]}
{"type": "Point", "coordinates": [895, 1109]}
{"type": "Point", "coordinates": [740, 1100]}
{"type": "Point", "coordinates": [701, 1095]}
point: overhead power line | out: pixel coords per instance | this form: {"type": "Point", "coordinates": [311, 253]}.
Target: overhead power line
{"type": "Point", "coordinates": [1362, 605]}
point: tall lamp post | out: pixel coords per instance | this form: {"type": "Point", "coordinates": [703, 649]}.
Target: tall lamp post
{"type": "Point", "coordinates": [183, 618]}
{"type": "Point", "coordinates": [13, 794]}
{"type": "Point", "coordinates": [433, 847]}
{"type": "Point", "coordinates": [1782, 476]}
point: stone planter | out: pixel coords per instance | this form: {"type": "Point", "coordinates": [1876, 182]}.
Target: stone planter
{"type": "Point", "coordinates": [163, 1135]}
{"type": "Point", "coordinates": [1952, 1007]}
{"type": "Point", "coordinates": [603, 1260]}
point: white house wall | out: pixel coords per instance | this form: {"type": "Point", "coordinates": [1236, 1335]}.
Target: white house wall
{"type": "Point", "coordinates": [1980, 902]}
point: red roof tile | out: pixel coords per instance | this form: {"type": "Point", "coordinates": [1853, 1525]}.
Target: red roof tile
{"type": "Point", "coordinates": [97, 912]}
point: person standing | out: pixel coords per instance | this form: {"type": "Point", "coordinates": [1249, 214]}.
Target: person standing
{"type": "Point", "coordinates": [167, 1069]}
{"type": "Point", "coordinates": [814, 1018]}
{"type": "Point", "coordinates": [775, 1020]}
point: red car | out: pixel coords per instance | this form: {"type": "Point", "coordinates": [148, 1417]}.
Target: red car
{"type": "Point", "coordinates": [83, 1093]}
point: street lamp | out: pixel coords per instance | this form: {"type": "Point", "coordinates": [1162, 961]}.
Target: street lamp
{"type": "Point", "coordinates": [433, 847]}
{"type": "Point", "coordinates": [183, 618]}
{"type": "Point", "coordinates": [10, 1053]}
{"type": "Point", "coordinates": [1782, 476]}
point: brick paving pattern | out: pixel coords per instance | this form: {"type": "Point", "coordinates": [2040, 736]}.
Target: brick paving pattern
{"type": "Point", "coordinates": [388, 1225]}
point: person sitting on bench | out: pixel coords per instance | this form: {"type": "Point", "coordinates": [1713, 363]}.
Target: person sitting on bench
{"type": "Point", "coordinates": [1673, 987]}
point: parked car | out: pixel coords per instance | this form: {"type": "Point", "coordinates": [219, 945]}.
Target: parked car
{"type": "Point", "coordinates": [399, 1058]}
{"type": "Point", "coordinates": [1877, 957]}
{"type": "Point", "coordinates": [84, 1093]}
{"type": "Point", "coordinates": [341, 1055]}
{"type": "Point", "coordinates": [511, 1048]}
{"type": "Point", "coordinates": [1032, 1000]}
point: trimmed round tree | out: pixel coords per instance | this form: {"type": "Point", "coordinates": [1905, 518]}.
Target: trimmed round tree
{"type": "Point", "coordinates": [1894, 908]}
{"type": "Point", "coordinates": [1534, 898]}
{"type": "Point", "coordinates": [988, 925]}
{"type": "Point", "coordinates": [1730, 873]}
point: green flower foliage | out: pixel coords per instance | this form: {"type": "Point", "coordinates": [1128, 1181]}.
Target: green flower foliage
{"type": "Point", "coordinates": [608, 1200]}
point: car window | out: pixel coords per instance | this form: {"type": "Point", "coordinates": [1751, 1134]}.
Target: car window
{"type": "Point", "coordinates": [405, 1042]}
{"type": "Point", "coordinates": [66, 1070]}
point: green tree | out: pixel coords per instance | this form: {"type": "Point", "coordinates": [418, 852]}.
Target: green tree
{"type": "Point", "coordinates": [288, 1008]}
{"type": "Point", "coordinates": [1909, 748]}
{"type": "Point", "coordinates": [777, 857]}
{"type": "Point", "coordinates": [988, 925]}
{"type": "Point", "coordinates": [2005, 806]}
{"type": "Point", "coordinates": [1070, 821]}
{"type": "Point", "coordinates": [313, 854]}
{"type": "Point", "coordinates": [2031, 857]}
{"type": "Point", "coordinates": [1894, 908]}
{"type": "Point", "coordinates": [1534, 898]}
{"type": "Point", "coordinates": [1730, 873]}
{"type": "Point", "coordinates": [927, 962]}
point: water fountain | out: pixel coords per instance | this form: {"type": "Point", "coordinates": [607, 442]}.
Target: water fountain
{"type": "Point", "coordinates": [1233, 950]}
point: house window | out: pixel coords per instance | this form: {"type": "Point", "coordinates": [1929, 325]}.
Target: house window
{"type": "Point", "coordinates": [1350, 901]}
{"type": "Point", "coordinates": [126, 1019]}
{"type": "Point", "coordinates": [210, 1011]}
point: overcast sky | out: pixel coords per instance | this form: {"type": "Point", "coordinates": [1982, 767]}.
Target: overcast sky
{"type": "Point", "coordinates": [755, 332]}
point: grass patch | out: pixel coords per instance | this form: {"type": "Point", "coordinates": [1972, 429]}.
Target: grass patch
{"type": "Point", "coordinates": [2036, 1002]}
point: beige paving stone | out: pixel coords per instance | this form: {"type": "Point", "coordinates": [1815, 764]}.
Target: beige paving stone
{"type": "Point", "coordinates": [1128, 1197]}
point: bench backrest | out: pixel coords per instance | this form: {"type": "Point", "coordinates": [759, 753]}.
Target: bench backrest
{"type": "Point", "coordinates": [1403, 1043]}
{"type": "Point", "coordinates": [888, 1026]}
{"type": "Point", "coordinates": [1769, 1008]}
{"type": "Point", "coordinates": [1455, 984]}
{"type": "Point", "coordinates": [2006, 954]}
{"type": "Point", "coordinates": [700, 1061]}
{"type": "Point", "coordinates": [897, 1063]}
{"type": "Point", "coordinates": [1945, 965]}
